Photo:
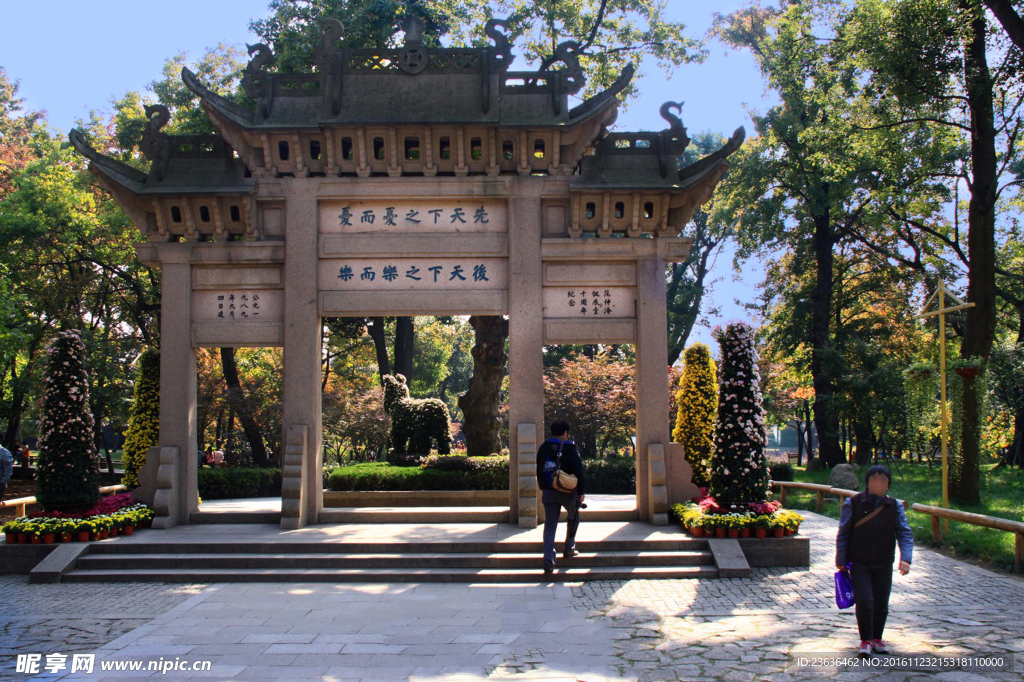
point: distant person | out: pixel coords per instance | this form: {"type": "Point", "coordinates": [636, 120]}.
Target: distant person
{"type": "Point", "coordinates": [6, 469]}
{"type": "Point", "coordinates": [26, 456]}
{"type": "Point", "coordinates": [559, 453]}
{"type": "Point", "coordinates": [871, 524]}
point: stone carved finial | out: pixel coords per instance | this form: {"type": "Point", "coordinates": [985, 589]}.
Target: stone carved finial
{"type": "Point", "coordinates": [413, 27]}
{"type": "Point", "coordinates": [254, 76]}
{"type": "Point", "coordinates": [413, 57]}
{"type": "Point", "coordinates": [155, 144]}
{"type": "Point", "coordinates": [502, 56]}
{"type": "Point", "coordinates": [572, 76]}
{"type": "Point", "coordinates": [331, 30]}
{"type": "Point", "coordinates": [676, 127]}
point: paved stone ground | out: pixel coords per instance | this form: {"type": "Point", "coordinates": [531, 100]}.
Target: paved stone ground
{"type": "Point", "coordinates": [755, 628]}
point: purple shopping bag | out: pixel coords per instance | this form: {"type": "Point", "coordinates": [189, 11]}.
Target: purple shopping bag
{"type": "Point", "coordinates": [844, 588]}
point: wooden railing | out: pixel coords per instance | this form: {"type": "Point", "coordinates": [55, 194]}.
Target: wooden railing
{"type": "Point", "coordinates": [21, 503]}
{"type": "Point", "coordinates": [936, 513]}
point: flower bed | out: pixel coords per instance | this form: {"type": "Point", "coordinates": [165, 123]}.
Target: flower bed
{"type": "Point", "coordinates": [110, 517]}
{"type": "Point", "coordinates": [707, 519]}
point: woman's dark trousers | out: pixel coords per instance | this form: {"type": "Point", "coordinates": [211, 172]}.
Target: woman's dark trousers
{"type": "Point", "coordinates": [871, 587]}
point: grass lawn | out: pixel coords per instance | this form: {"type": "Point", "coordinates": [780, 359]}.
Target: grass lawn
{"type": "Point", "coordinates": [1002, 495]}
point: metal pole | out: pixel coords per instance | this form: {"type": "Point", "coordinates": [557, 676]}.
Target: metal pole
{"type": "Point", "coordinates": [942, 409]}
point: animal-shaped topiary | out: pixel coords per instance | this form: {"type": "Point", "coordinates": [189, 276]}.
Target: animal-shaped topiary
{"type": "Point", "coordinates": [415, 424]}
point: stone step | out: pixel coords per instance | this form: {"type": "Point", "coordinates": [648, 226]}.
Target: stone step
{"type": "Point", "coordinates": [144, 545]}
{"type": "Point", "coordinates": [414, 515]}
{"type": "Point", "coordinates": [466, 575]}
{"type": "Point", "coordinates": [235, 517]}
{"type": "Point", "coordinates": [295, 561]}
{"type": "Point", "coordinates": [453, 515]}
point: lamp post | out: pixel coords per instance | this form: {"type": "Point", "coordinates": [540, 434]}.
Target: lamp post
{"type": "Point", "coordinates": [941, 293]}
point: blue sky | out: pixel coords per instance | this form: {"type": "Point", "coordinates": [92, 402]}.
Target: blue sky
{"type": "Point", "coordinates": [71, 58]}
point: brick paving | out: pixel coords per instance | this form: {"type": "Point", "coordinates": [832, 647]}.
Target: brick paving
{"type": "Point", "coordinates": [730, 630]}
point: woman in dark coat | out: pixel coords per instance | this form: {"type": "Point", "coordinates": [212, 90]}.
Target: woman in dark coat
{"type": "Point", "coordinates": [871, 524]}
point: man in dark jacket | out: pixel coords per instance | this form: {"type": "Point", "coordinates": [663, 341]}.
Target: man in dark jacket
{"type": "Point", "coordinates": [547, 461]}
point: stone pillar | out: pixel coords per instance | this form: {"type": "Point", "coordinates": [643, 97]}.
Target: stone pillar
{"type": "Point", "coordinates": [302, 482]}
{"type": "Point", "coordinates": [178, 418]}
{"type": "Point", "coordinates": [526, 342]}
{"type": "Point", "coordinates": [652, 426]}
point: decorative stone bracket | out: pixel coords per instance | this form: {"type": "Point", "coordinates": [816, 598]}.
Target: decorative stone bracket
{"type": "Point", "coordinates": [296, 439]}
{"type": "Point", "coordinates": [158, 479]}
{"type": "Point", "coordinates": [527, 451]}
{"type": "Point", "coordinates": [658, 495]}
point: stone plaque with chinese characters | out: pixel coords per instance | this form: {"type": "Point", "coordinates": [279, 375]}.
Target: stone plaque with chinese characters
{"type": "Point", "coordinates": [414, 215]}
{"type": "Point", "coordinates": [413, 274]}
{"type": "Point", "coordinates": [237, 306]}
{"type": "Point", "coordinates": [593, 302]}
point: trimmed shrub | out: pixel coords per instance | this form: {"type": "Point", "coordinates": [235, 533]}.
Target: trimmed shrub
{"type": "Point", "coordinates": [66, 475]}
{"type": "Point", "coordinates": [697, 399]}
{"type": "Point", "coordinates": [144, 418]}
{"type": "Point", "coordinates": [781, 471]}
{"type": "Point", "coordinates": [613, 476]}
{"type": "Point", "coordinates": [226, 483]}
{"type": "Point", "coordinates": [456, 472]}
{"type": "Point", "coordinates": [384, 476]}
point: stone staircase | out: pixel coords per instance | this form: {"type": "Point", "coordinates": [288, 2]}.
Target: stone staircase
{"type": "Point", "coordinates": [466, 560]}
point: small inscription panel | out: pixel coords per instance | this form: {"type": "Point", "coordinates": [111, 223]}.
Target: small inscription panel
{"type": "Point", "coordinates": [589, 302]}
{"type": "Point", "coordinates": [413, 274]}
{"type": "Point", "coordinates": [414, 215]}
{"type": "Point", "coordinates": [237, 306]}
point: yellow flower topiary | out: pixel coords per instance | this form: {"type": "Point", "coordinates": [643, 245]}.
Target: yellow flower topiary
{"type": "Point", "coordinates": [697, 399]}
{"type": "Point", "coordinates": [143, 419]}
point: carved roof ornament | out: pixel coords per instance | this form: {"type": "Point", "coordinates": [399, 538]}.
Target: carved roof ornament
{"type": "Point", "coordinates": [673, 141]}
{"type": "Point", "coordinates": [676, 130]}
{"type": "Point", "coordinates": [156, 145]}
{"type": "Point", "coordinates": [571, 77]}
{"type": "Point", "coordinates": [501, 55]}
{"type": "Point", "coordinates": [331, 31]}
{"type": "Point", "coordinates": [255, 77]}
{"type": "Point", "coordinates": [413, 57]}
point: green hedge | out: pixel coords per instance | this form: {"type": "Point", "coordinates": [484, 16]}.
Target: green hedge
{"type": "Point", "coordinates": [230, 483]}
{"type": "Point", "coordinates": [384, 476]}
{"type": "Point", "coordinates": [780, 471]}
{"type": "Point", "coordinates": [453, 472]}
{"type": "Point", "coordinates": [615, 476]}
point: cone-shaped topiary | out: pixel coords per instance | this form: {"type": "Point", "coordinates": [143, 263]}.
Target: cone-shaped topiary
{"type": "Point", "coordinates": [739, 470]}
{"type": "Point", "coordinates": [697, 399]}
{"type": "Point", "coordinates": [66, 475]}
{"type": "Point", "coordinates": [144, 418]}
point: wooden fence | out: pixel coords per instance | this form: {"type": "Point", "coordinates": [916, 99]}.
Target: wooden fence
{"type": "Point", "coordinates": [21, 503]}
{"type": "Point", "coordinates": [936, 513]}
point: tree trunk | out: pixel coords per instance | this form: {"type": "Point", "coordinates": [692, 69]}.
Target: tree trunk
{"type": "Point", "coordinates": [807, 429]}
{"type": "Point", "coordinates": [376, 331]}
{"type": "Point", "coordinates": [979, 330]}
{"type": "Point", "coordinates": [826, 421]}
{"type": "Point", "coordinates": [864, 436]}
{"type": "Point", "coordinates": [480, 404]}
{"type": "Point", "coordinates": [236, 398]}
{"type": "Point", "coordinates": [404, 334]}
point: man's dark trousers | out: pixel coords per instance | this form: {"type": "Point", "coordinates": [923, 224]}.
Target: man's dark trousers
{"type": "Point", "coordinates": [554, 501]}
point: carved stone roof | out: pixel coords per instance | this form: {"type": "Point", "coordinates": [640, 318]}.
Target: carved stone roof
{"type": "Point", "coordinates": [412, 84]}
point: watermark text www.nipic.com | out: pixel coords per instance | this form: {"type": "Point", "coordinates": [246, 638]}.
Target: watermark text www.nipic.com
{"type": "Point", "coordinates": [33, 664]}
